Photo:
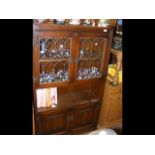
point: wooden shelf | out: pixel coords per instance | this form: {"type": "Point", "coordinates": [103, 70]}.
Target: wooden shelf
{"type": "Point", "coordinates": [70, 99]}
{"type": "Point", "coordinates": [89, 58]}
{"type": "Point", "coordinates": [52, 59]}
{"type": "Point", "coordinates": [42, 27]}
{"type": "Point", "coordinates": [97, 77]}
{"type": "Point", "coordinates": [68, 83]}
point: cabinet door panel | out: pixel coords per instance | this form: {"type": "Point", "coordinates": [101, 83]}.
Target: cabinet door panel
{"type": "Point", "coordinates": [54, 58]}
{"type": "Point", "coordinates": [90, 56]}
{"type": "Point", "coordinates": [52, 123]}
{"type": "Point", "coordinates": [83, 116]}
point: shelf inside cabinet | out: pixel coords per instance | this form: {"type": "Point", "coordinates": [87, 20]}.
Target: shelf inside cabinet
{"type": "Point", "coordinates": [52, 59]}
{"type": "Point", "coordinates": [55, 47]}
{"type": "Point", "coordinates": [70, 99]}
{"type": "Point", "coordinates": [89, 58]}
{"type": "Point", "coordinates": [52, 70]}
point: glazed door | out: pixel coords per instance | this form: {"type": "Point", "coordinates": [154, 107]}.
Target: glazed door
{"type": "Point", "coordinates": [90, 55]}
{"type": "Point", "coordinates": [52, 57]}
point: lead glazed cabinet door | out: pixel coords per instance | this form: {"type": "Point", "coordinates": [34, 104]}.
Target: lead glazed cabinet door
{"type": "Point", "coordinates": [90, 57]}
{"type": "Point", "coordinates": [53, 58]}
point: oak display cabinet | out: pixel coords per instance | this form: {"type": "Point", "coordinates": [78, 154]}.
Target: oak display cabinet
{"type": "Point", "coordinates": [74, 60]}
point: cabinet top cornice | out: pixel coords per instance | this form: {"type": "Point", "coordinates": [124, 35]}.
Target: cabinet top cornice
{"type": "Point", "coordinates": [54, 27]}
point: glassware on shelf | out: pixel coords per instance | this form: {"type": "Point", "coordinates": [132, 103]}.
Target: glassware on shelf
{"type": "Point", "coordinates": [42, 47]}
{"type": "Point", "coordinates": [55, 53]}
{"type": "Point", "coordinates": [39, 20]}
{"type": "Point", "coordinates": [87, 22]}
{"type": "Point", "coordinates": [81, 53]}
{"type": "Point", "coordinates": [59, 21]}
{"type": "Point", "coordinates": [88, 53]}
{"type": "Point", "coordinates": [60, 75]}
{"type": "Point", "coordinates": [41, 78]}
{"type": "Point", "coordinates": [74, 22]}
{"type": "Point", "coordinates": [88, 73]}
{"type": "Point", "coordinates": [104, 22]}
{"type": "Point", "coordinates": [54, 48]}
{"type": "Point", "coordinates": [93, 22]}
{"type": "Point", "coordinates": [67, 53]}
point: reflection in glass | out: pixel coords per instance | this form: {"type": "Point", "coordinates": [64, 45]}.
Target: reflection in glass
{"type": "Point", "coordinates": [54, 48]}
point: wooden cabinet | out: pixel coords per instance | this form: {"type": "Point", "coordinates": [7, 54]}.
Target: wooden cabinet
{"type": "Point", "coordinates": [70, 121]}
{"type": "Point", "coordinates": [74, 59]}
{"type": "Point", "coordinates": [111, 109]}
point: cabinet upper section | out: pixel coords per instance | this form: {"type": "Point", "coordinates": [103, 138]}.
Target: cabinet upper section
{"type": "Point", "coordinates": [65, 53]}
{"type": "Point", "coordinates": [50, 27]}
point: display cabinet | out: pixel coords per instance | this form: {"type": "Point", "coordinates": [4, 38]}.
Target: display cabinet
{"type": "Point", "coordinates": [74, 61]}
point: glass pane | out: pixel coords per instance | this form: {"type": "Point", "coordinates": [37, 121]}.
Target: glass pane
{"type": "Point", "coordinates": [54, 59]}
{"type": "Point", "coordinates": [90, 57]}
{"type": "Point", "coordinates": [54, 48]}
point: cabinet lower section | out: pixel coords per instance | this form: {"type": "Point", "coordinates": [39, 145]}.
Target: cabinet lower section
{"type": "Point", "coordinates": [54, 122]}
{"type": "Point", "coordinates": [74, 120]}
